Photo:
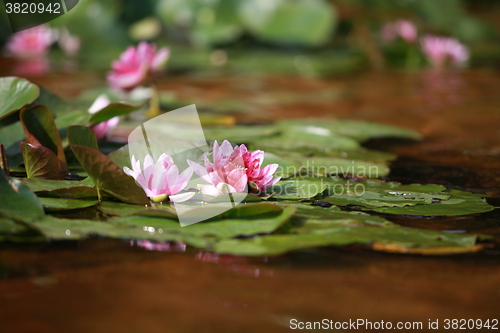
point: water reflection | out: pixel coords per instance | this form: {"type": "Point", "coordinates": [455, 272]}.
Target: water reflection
{"type": "Point", "coordinates": [440, 88]}
{"type": "Point", "coordinates": [32, 67]}
{"type": "Point", "coordinates": [159, 246]}
{"type": "Point", "coordinates": [238, 265]}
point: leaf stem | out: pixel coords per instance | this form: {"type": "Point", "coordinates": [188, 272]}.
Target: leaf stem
{"type": "Point", "coordinates": [154, 104]}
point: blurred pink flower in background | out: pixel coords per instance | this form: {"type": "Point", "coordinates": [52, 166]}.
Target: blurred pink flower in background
{"type": "Point", "coordinates": [401, 28]}
{"type": "Point", "coordinates": [136, 65]}
{"type": "Point", "coordinates": [102, 129]}
{"type": "Point", "coordinates": [161, 179]}
{"type": "Point", "coordinates": [443, 50]}
{"type": "Point", "coordinates": [70, 44]}
{"type": "Point", "coordinates": [31, 43]}
{"type": "Point", "coordinates": [232, 169]}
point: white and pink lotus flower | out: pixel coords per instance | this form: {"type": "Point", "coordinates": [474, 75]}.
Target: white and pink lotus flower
{"type": "Point", "coordinates": [233, 170]}
{"type": "Point", "coordinates": [441, 51]}
{"type": "Point", "coordinates": [137, 65]}
{"type": "Point", "coordinates": [161, 179]}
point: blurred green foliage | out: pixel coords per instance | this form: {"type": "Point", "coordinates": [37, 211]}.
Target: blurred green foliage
{"type": "Point", "coordinates": [246, 29]}
{"type": "Point", "coordinates": [296, 22]}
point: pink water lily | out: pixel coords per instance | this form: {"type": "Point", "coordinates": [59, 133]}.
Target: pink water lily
{"type": "Point", "coordinates": [103, 129]}
{"type": "Point", "coordinates": [161, 179]}
{"type": "Point", "coordinates": [136, 65]}
{"type": "Point", "coordinates": [402, 28]}
{"type": "Point", "coordinates": [31, 43]}
{"type": "Point", "coordinates": [260, 178]}
{"type": "Point", "coordinates": [226, 174]}
{"type": "Point", "coordinates": [442, 50]}
{"type": "Point", "coordinates": [232, 170]}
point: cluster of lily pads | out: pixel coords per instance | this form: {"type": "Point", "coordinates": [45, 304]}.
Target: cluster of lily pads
{"type": "Point", "coordinates": [330, 190]}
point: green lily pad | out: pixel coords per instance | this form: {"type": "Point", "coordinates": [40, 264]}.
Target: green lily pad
{"type": "Point", "coordinates": [8, 226]}
{"type": "Point", "coordinates": [41, 130]}
{"type": "Point", "coordinates": [336, 228]}
{"type": "Point", "coordinates": [73, 118]}
{"type": "Point", "coordinates": [360, 154]}
{"type": "Point", "coordinates": [15, 93]}
{"type": "Point", "coordinates": [296, 189]}
{"type": "Point", "coordinates": [37, 185]}
{"type": "Point", "coordinates": [239, 133]}
{"type": "Point", "coordinates": [114, 110]}
{"type": "Point", "coordinates": [57, 105]}
{"type": "Point", "coordinates": [74, 229]}
{"type": "Point", "coordinates": [286, 167]}
{"type": "Point", "coordinates": [459, 203]}
{"type": "Point", "coordinates": [123, 209]}
{"type": "Point", "coordinates": [245, 225]}
{"type": "Point", "coordinates": [82, 136]}
{"type": "Point", "coordinates": [76, 192]}
{"type": "Point", "coordinates": [238, 222]}
{"type": "Point", "coordinates": [357, 130]}
{"type": "Point", "coordinates": [325, 166]}
{"type": "Point", "coordinates": [56, 204]}
{"type": "Point", "coordinates": [121, 157]}
{"type": "Point", "coordinates": [40, 162]}
{"type": "Point", "coordinates": [305, 141]}
{"type": "Point", "coordinates": [303, 22]}
{"type": "Point", "coordinates": [19, 233]}
{"type": "Point", "coordinates": [373, 194]}
{"type": "Point", "coordinates": [107, 176]}
{"type": "Point", "coordinates": [393, 240]}
{"type": "Point", "coordinates": [18, 201]}
{"type": "Point", "coordinates": [11, 134]}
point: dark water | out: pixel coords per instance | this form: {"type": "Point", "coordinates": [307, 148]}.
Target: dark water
{"type": "Point", "coordinates": [115, 286]}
